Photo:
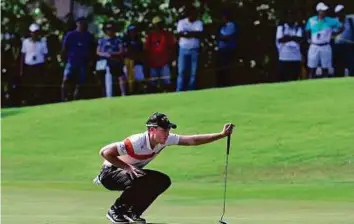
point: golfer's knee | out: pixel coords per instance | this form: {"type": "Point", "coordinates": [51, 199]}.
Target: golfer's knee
{"type": "Point", "coordinates": [160, 179]}
{"type": "Point", "coordinates": [164, 181]}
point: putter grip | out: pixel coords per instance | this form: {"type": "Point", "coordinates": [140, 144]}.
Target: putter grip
{"type": "Point", "coordinates": [228, 144]}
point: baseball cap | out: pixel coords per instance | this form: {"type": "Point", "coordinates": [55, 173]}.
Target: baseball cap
{"type": "Point", "coordinates": [131, 27]}
{"type": "Point", "coordinates": [34, 27]}
{"type": "Point", "coordinates": [160, 120]}
{"type": "Point", "coordinates": [81, 19]}
{"type": "Point", "coordinates": [338, 8]}
{"type": "Point", "coordinates": [321, 7]}
{"type": "Point", "coordinates": [108, 25]}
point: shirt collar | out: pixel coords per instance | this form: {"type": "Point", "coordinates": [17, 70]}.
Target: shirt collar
{"type": "Point", "coordinates": [148, 140]}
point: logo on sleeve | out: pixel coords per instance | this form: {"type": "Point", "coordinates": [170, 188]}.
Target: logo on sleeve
{"type": "Point", "coordinates": [122, 147]}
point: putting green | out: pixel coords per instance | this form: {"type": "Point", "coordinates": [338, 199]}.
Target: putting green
{"type": "Point", "coordinates": [291, 161]}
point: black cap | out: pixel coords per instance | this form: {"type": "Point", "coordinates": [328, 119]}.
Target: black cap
{"type": "Point", "coordinates": [160, 120]}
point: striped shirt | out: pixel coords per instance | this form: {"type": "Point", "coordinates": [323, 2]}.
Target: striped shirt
{"type": "Point", "coordinates": [136, 149]}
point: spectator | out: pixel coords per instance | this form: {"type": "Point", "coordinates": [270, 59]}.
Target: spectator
{"type": "Point", "coordinates": [344, 44]}
{"type": "Point", "coordinates": [160, 46]}
{"type": "Point", "coordinates": [226, 49]}
{"type": "Point", "coordinates": [320, 30]}
{"type": "Point", "coordinates": [110, 49]}
{"type": "Point", "coordinates": [288, 38]}
{"type": "Point", "coordinates": [190, 32]}
{"type": "Point", "coordinates": [134, 68]}
{"type": "Point", "coordinates": [78, 51]}
{"type": "Point", "coordinates": [34, 52]}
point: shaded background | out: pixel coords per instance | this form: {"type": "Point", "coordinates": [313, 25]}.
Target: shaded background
{"type": "Point", "coordinates": [256, 53]}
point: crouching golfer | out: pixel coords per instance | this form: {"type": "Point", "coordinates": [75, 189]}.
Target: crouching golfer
{"type": "Point", "coordinates": [124, 161]}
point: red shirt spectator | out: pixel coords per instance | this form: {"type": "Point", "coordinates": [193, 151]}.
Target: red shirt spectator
{"type": "Point", "coordinates": [159, 44]}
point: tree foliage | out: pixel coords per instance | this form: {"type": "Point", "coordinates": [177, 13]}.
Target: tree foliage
{"type": "Point", "coordinates": [256, 19]}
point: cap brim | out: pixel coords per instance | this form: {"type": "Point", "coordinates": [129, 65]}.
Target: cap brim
{"type": "Point", "coordinates": [325, 8]}
{"type": "Point", "coordinates": [172, 125]}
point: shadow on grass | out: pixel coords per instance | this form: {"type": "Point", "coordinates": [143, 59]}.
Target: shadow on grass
{"type": "Point", "coordinates": [9, 113]}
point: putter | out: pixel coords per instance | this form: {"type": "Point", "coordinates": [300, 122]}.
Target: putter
{"type": "Point", "coordinates": [221, 221]}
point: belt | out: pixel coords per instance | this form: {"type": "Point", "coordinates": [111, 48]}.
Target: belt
{"type": "Point", "coordinates": [324, 44]}
{"type": "Point", "coordinates": [109, 167]}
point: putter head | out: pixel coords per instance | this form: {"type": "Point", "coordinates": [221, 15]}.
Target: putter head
{"type": "Point", "coordinates": [223, 222]}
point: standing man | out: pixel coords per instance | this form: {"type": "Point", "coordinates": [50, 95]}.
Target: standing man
{"type": "Point", "coordinates": [110, 49]}
{"type": "Point", "coordinates": [344, 44]}
{"type": "Point", "coordinates": [124, 162]}
{"type": "Point", "coordinates": [160, 46]}
{"type": "Point", "coordinates": [226, 49]}
{"type": "Point", "coordinates": [288, 38]}
{"type": "Point", "coordinates": [32, 66]}
{"type": "Point", "coordinates": [320, 29]}
{"type": "Point", "coordinates": [134, 61]}
{"type": "Point", "coordinates": [78, 50]}
{"type": "Point", "coordinates": [190, 32]}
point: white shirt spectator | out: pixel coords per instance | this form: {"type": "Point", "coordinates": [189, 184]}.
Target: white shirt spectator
{"type": "Point", "coordinates": [184, 25]}
{"type": "Point", "coordinates": [34, 51]}
{"type": "Point", "coordinates": [289, 51]}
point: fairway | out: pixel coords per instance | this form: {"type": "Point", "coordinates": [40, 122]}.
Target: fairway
{"type": "Point", "coordinates": [291, 160]}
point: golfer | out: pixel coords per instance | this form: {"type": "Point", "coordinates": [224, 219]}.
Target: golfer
{"type": "Point", "coordinates": [124, 162]}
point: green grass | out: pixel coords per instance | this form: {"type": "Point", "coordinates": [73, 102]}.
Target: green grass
{"type": "Point", "coordinates": [291, 161]}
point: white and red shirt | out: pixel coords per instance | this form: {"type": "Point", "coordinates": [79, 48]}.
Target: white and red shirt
{"type": "Point", "coordinates": [136, 149]}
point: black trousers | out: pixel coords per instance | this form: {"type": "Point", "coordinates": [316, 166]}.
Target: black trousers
{"type": "Point", "coordinates": [138, 194]}
{"type": "Point", "coordinates": [343, 57]}
{"type": "Point", "coordinates": [225, 68]}
{"type": "Point", "coordinates": [289, 70]}
{"type": "Point", "coordinates": [32, 84]}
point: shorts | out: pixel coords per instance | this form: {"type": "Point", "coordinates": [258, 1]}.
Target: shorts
{"type": "Point", "coordinates": [320, 56]}
{"type": "Point", "coordinates": [137, 71]}
{"type": "Point", "coordinates": [115, 69]}
{"type": "Point", "coordinates": [75, 73]}
{"type": "Point", "coordinates": [163, 73]}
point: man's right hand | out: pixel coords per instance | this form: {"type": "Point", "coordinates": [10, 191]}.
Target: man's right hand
{"type": "Point", "coordinates": [133, 172]}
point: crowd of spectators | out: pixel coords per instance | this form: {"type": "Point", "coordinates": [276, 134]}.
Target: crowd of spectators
{"type": "Point", "coordinates": [121, 62]}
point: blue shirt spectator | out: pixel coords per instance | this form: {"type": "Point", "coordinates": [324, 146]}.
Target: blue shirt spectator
{"type": "Point", "coordinates": [226, 50]}
{"type": "Point", "coordinates": [347, 36]}
{"type": "Point", "coordinates": [79, 51]}
{"type": "Point", "coordinates": [134, 45]}
{"type": "Point", "coordinates": [79, 47]}
{"type": "Point", "coordinates": [111, 44]}
{"type": "Point", "coordinates": [344, 44]}
{"type": "Point", "coordinates": [229, 29]}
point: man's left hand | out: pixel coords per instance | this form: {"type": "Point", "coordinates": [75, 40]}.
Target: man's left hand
{"type": "Point", "coordinates": [228, 128]}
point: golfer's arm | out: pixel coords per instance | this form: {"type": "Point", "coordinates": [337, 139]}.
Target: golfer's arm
{"type": "Point", "coordinates": [199, 139]}
{"type": "Point", "coordinates": [111, 155]}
